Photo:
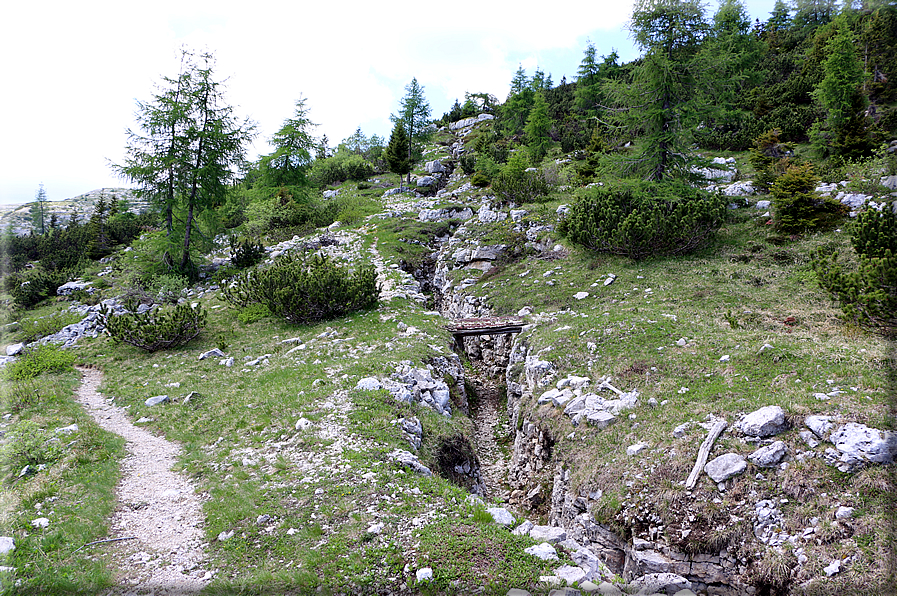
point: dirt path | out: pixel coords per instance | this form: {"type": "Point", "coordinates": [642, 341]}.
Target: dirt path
{"type": "Point", "coordinates": [155, 505]}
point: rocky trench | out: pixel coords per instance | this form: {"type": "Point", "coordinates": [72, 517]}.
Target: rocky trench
{"type": "Point", "coordinates": [515, 462]}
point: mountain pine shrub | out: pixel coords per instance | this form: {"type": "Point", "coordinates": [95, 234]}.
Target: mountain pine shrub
{"type": "Point", "coordinates": [157, 329]}
{"type": "Point", "coordinates": [245, 252]}
{"type": "Point", "coordinates": [798, 208]}
{"type": "Point", "coordinates": [525, 187]}
{"type": "Point", "coordinates": [306, 289]}
{"type": "Point", "coordinates": [867, 292]}
{"type": "Point", "coordinates": [639, 219]}
{"type": "Point", "coordinates": [35, 361]}
{"type": "Point", "coordinates": [31, 286]}
{"type": "Point", "coordinates": [770, 158]}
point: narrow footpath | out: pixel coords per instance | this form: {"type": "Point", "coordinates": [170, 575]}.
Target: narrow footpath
{"type": "Point", "coordinates": [487, 417]}
{"type": "Point", "coordinates": [158, 510]}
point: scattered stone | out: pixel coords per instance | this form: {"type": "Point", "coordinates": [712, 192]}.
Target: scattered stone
{"type": "Point", "coordinates": [550, 534]}
{"type": "Point", "coordinates": [375, 528]}
{"type": "Point", "coordinates": [833, 568]}
{"type": "Point", "coordinates": [725, 466]}
{"type": "Point", "coordinates": [7, 545]}
{"type": "Point", "coordinates": [570, 574]}
{"type": "Point", "coordinates": [637, 448]}
{"type": "Point", "coordinates": [67, 430]}
{"type": "Point", "coordinates": [411, 461]}
{"type": "Point", "coordinates": [543, 551]}
{"type": "Point", "coordinates": [213, 352]}
{"type": "Point", "coordinates": [41, 522]}
{"type": "Point", "coordinates": [225, 536]}
{"type": "Point", "coordinates": [820, 425]}
{"type": "Point", "coordinates": [517, 592]}
{"type": "Point", "coordinates": [770, 455]}
{"type": "Point", "coordinates": [809, 438]}
{"type": "Point", "coordinates": [859, 445]}
{"type": "Point", "coordinates": [765, 422]}
{"type": "Point", "coordinates": [15, 349]}
{"type": "Point", "coordinates": [610, 279]}
{"type": "Point", "coordinates": [608, 589]}
{"type": "Point", "coordinates": [501, 515]}
{"type": "Point", "coordinates": [725, 358]}
{"type": "Point", "coordinates": [581, 295]}
{"type": "Point", "coordinates": [523, 529]}
{"type": "Point", "coordinates": [303, 424]}
{"type": "Point", "coordinates": [262, 519]}
{"type": "Point", "coordinates": [156, 400]}
{"type": "Point", "coordinates": [844, 512]}
{"type": "Point", "coordinates": [424, 574]}
{"type": "Point", "coordinates": [369, 384]}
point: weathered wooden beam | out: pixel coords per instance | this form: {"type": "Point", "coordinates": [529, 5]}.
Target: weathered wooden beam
{"type": "Point", "coordinates": [718, 427]}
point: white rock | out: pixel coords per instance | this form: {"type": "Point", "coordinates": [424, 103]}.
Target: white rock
{"type": "Point", "coordinates": [543, 551]}
{"type": "Point", "coordinates": [156, 400]}
{"type": "Point", "coordinates": [570, 574]}
{"type": "Point", "coordinates": [369, 384]}
{"type": "Point", "coordinates": [41, 522]}
{"type": "Point", "coordinates": [765, 422]}
{"type": "Point", "coordinates": [844, 512]}
{"type": "Point", "coordinates": [833, 568]}
{"type": "Point", "coordinates": [725, 466]}
{"type": "Point", "coordinates": [770, 455]}
{"type": "Point", "coordinates": [636, 449]}
{"type": "Point", "coordinates": [424, 574]}
{"type": "Point", "coordinates": [581, 295]}
{"type": "Point", "coordinates": [7, 544]}
{"type": "Point", "coordinates": [501, 515]}
{"type": "Point", "coordinates": [550, 534]}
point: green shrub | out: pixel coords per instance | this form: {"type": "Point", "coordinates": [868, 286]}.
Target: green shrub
{"type": "Point", "coordinates": [238, 290]}
{"type": "Point", "coordinates": [304, 290]}
{"type": "Point", "coordinates": [31, 286]}
{"type": "Point", "coordinates": [480, 180]}
{"type": "Point", "coordinates": [246, 252]}
{"type": "Point", "coordinates": [252, 313]}
{"type": "Point", "coordinates": [168, 287]}
{"type": "Point", "coordinates": [33, 329]}
{"type": "Point", "coordinates": [770, 158]}
{"type": "Point", "coordinates": [526, 187]}
{"type": "Point", "coordinates": [867, 292]}
{"type": "Point", "coordinates": [44, 358]}
{"type": "Point", "coordinates": [157, 329]}
{"type": "Point", "coordinates": [798, 207]}
{"type": "Point", "coordinates": [875, 232]}
{"type": "Point", "coordinates": [28, 445]}
{"type": "Point", "coordinates": [640, 219]}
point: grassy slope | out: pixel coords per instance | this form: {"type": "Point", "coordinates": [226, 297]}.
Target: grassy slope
{"type": "Point", "coordinates": [242, 449]}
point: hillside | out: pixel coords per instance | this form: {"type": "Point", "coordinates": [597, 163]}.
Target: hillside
{"type": "Point", "coordinates": [367, 454]}
{"type": "Point", "coordinates": [18, 218]}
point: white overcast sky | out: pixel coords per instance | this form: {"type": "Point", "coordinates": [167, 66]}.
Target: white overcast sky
{"type": "Point", "coordinates": [72, 71]}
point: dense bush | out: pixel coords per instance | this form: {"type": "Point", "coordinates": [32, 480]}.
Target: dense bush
{"type": "Point", "coordinates": [798, 208]}
{"type": "Point", "coordinates": [875, 232]}
{"type": "Point", "coordinates": [31, 286]}
{"type": "Point", "coordinates": [304, 290]}
{"type": "Point", "coordinates": [157, 329]}
{"type": "Point", "coordinates": [44, 358]}
{"type": "Point", "coordinates": [246, 252]}
{"type": "Point", "coordinates": [339, 168]}
{"type": "Point", "coordinates": [527, 187]}
{"type": "Point", "coordinates": [641, 219]}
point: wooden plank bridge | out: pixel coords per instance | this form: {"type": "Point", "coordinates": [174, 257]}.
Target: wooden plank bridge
{"type": "Point", "coordinates": [461, 328]}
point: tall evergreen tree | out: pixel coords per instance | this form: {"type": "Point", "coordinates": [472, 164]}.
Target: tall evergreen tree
{"type": "Point", "coordinates": [39, 210]}
{"type": "Point", "coordinates": [396, 153]}
{"type": "Point", "coordinates": [189, 146]}
{"type": "Point", "coordinates": [538, 127]}
{"type": "Point", "coordinates": [414, 114]}
{"type": "Point", "coordinates": [666, 98]}
{"type": "Point", "coordinates": [292, 157]}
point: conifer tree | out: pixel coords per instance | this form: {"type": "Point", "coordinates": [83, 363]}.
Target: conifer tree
{"type": "Point", "coordinates": [396, 154]}
{"type": "Point", "coordinates": [538, 127]}
{"type": "Point", "coordinates": [414, 114]}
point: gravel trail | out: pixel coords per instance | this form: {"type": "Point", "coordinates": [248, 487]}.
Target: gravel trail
{"type": "Point", "coordinates": [156, 506]}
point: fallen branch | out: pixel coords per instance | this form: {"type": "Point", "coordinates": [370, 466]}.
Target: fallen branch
{"type": "Point", "coordinates": [102, 541]}
{"type": "Point", "coordinates": [718, 427]}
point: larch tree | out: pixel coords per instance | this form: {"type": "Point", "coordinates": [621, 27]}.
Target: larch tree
{"type": "Point", "coordinates": [414, 114]}
{"type": "Point", "coordinates": [667, 96]}
{"type": "Point", "coordinates": [188, 147]}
